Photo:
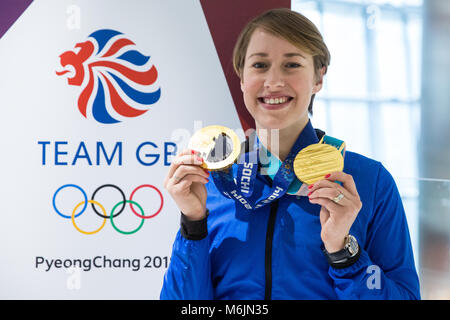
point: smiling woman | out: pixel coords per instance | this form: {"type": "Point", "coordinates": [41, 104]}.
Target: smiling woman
{"type": "Point", "coordinates": [279, 245]}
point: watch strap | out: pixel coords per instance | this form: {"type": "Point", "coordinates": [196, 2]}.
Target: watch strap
{"type": "Point", "coordinates": [340, 255]}
{"type": "Point", "coordinates": [341, 259]}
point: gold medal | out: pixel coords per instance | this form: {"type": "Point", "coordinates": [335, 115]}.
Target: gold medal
{"type": "Point", "coordinates": [218, 146]}
{"type": "Point", "coordinates": [317, 160]}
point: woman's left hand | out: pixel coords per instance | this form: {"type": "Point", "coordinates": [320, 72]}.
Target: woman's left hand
{"type": "Point", "coordinates": [336, 218]}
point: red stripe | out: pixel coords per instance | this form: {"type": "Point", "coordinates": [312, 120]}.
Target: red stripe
{"type": "Point", "coordinates": [145, 78]}
{"type": "Point", "coordinates": [116, 46]}
{"type": "Point", "coordinates": [121, 107]}
{"type": "Point", "coordinates": [85, 94]}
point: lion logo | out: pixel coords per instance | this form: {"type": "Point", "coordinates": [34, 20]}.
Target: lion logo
{"type": "Point", "coordinates": [117, 80]}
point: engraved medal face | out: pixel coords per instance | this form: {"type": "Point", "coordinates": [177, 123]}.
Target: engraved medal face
{"type": "Point", "coordinates": [317, 160]}
{"type": "Point", "coordinates": [219, 147]}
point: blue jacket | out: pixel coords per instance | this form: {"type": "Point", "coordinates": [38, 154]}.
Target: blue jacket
{"type": "Point", "coordinates": [276, 249]}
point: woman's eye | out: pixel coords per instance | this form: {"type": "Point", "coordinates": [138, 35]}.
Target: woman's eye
{"type": "Point", "coordinates": [293, 65]}
{"type": "Point", "coordinates": [262, 65]}
{"type": "Point", "coordinates": [259, 65]}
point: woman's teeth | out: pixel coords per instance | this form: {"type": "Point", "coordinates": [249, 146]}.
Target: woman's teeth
{"type": "Point", "coordinates": [275, 100]}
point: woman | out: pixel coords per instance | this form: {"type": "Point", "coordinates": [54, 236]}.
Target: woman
{"type": "Point", "coordinates": [348, 239]}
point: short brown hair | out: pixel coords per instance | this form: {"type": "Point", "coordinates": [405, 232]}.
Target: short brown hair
{"type": "Point", "coordinates": [289, 25]}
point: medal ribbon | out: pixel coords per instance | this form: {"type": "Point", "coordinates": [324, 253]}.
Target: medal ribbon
{"type": "Point", "coordinates": [242, 189]}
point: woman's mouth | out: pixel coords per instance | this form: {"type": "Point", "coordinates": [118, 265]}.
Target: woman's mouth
{"type": "Point", "coordinates": [274, 103]}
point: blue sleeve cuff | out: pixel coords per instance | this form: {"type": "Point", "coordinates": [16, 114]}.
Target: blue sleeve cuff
{"type": "Point", "coordinates": [356, 268]}
{"type": "Point", "coordinates": [194, 230]}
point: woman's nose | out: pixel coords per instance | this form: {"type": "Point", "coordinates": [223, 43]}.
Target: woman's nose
{"type": "Point", "coordinates": [274, 79]}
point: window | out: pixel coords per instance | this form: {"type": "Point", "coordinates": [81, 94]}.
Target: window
{"type": "Point", "coordinates": [371, 93]}
{"type": "Point", "coordinates": [374, 75]}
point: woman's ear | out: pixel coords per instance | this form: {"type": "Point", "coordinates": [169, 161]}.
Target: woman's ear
{"type": "Point", "coordinates": [319, 81]}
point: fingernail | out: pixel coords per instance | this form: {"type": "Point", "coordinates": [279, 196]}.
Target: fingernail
{"type": "Point", "coordinates": [206, 171]}
{"type": "Point", "coordinates": [192, 152]}
{"type": "Point", "coordinates": [199, 159]}
{"type": "Point", "coordinates": [328, 175]}
{"type": "Point", "coordinates": [309, 193]}
{"type": "Point", "coordinates": [310, 186]}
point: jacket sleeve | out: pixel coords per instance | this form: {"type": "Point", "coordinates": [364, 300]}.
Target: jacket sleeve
{"type": "Point", "coordinates": [385, 268]}
{"type": "Point", "coordinates": [189, 274]}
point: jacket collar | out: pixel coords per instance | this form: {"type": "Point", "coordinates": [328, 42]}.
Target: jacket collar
{"type": "Point", "coordinates": [307, 136]}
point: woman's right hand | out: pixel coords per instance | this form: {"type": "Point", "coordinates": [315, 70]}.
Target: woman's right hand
{"type": "Point", "coordinates": [185, 182]}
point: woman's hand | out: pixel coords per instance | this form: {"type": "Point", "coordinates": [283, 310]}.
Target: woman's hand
{"type": "Point", "coordinates": [336, 218]}
{"type": "Point", "coordinates": [185, 182]}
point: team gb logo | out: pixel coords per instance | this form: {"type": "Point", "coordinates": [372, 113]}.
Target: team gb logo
{"type": "Point", "coordinates": [117, 81]}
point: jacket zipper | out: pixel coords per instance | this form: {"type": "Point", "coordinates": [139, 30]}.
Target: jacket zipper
{"type": "Point", "coordinates": [268, 250]}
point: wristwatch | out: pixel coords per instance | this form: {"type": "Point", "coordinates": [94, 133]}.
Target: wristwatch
{"type": "Point", "coordinates": [345, 257]}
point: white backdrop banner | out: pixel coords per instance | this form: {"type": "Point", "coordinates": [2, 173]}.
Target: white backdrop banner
{"type": "Point", "coordinates": [96, 98]}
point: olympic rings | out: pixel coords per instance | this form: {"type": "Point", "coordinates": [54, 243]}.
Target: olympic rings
{"type": "Point", "coordinates": [160, 196]}
{"type": "Point", "coordinates": [113, 214]}
{"type": "Point", "coordinates": [126, 232]}
{"type": "Point", "coordinates": [66, 186]}
{"type": "Point", "coordinates": [75, 210]}
{"type": "Point", "coordinates": [113, 186]}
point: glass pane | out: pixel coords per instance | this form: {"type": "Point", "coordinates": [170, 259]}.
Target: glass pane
{"type": "Point", "coordinates": [319, 118]}
{"type": "Point", "coordinates": [399, 146]}
{"type": "Point", "coordinates": [434, 234]}
{"type": "Point", "coordinates": [409, 192]}
{"type": "Point", "coordinates": [416, 3]}
{"type": "Point", "coordinates": [308, 9]}
{"type": "Point", "coordinates": [344, 36]}
{"type": "Point", "coordinates": [355, 1]}
{"type": "Point", "coordinates": [312, 15]}
{"type": "Point", "coordinates": [355, 133]}
{"type": "Point", "coordinates": [394, 3]}
{"type": "Point", "coordinates": [390, 47]}
{"type": "Point", "coordinates": [415, 44]}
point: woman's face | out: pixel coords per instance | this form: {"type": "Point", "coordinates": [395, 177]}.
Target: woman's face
{"type": "Point", "coordinates": [277, 82]}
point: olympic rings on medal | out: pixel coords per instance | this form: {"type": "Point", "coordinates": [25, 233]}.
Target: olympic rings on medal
{"type": "Point", "coordinates": [113, 214]}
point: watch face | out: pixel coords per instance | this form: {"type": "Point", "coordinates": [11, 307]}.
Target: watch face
{"type": "Point", "coordinates": [352, 245]}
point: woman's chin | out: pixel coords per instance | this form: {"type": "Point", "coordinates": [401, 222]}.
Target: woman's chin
{"type": "Point", "coordinates": [281, 123]}
{"type": "Point", "coordinates": [274, 124]}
